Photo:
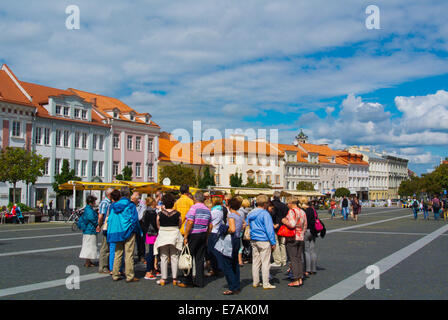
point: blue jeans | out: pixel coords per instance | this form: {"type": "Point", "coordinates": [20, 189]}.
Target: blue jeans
{"type": "Point", "coordinates": [112, 246]}
{"type": "Point", "coordinates": [345, 212]}
{"type": "Point", "coordinates": [230, 266]}
{"type": "Point", "coordinates": [333, 212]}
{"type": "Point", "coordinates": [425, 214]}
{"type": "Point", "coordinates": [150, 258]}
{"type": "Point", "coordinates": [436, 214]}
{"type": "Point", "coordinates": [415, 213]}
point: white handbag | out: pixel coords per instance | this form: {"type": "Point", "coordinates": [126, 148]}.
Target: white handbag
{"type": "Point", "coordinates": [185, 260]}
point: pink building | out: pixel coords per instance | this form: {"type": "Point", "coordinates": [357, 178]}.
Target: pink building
{"type": "Point", "coordinates": [134, 140]}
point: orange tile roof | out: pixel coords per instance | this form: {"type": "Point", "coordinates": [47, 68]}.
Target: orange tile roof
{"type": "Point", "coordinates": [166, 153]}
{"type": "Point", "coordinates": [104, 104]}
{"type": "Point", "coordinates": [41, 95]}
{"type": "Point", "coordinates": [10, 92]}
{"type": "Point", "coordinates": [223, 146]}
{"type": "Point", "coordinates": [321, 149]}
{"type": "Point", "coordinates": [301, 156]}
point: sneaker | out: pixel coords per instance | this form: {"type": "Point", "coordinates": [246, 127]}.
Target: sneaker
{"type": "Point", "coordinates": [257, 285]}
{"type": "Point", "coordinates": [270, 286]}
{"type": "Point", "coordinates": [161, 282]}
{"type": "Point", "coordinates": [151, 277]}
{"type": "Point", "coordinates": [275, 265]}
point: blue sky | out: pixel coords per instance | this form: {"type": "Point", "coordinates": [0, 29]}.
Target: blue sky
{"type": "Point", "coordinates": [283, 65]}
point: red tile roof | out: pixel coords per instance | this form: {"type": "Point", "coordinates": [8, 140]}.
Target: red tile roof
{"type": "Point", "coordinates": [9, 91]}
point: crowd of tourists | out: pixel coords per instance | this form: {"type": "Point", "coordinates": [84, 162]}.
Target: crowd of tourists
{"type": "Point", "coordinates": [219, 234]}
{"type": "Point", "coordinates": [435, 204]}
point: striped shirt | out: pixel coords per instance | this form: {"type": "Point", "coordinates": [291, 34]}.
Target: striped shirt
{"type": "Point", "coordinates": [104, 206]}
{"type": "Point", "coordinates": [201, 217]}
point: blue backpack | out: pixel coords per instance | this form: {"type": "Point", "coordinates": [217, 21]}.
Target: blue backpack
{"type": "Point", "coordinates": [81, 223]}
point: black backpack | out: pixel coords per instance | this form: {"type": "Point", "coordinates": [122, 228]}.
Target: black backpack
{"type": "Point", "coordinates": [415, 204]}
{"type": "Point", "coordinates": [345, 203]}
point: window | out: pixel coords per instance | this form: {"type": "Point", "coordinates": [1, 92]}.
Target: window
{"type": "Point", "coordinates": [47, 136]}
{"type": "Point", "coordinates": [217, 179]}
{"type": "Point", "coordinates": [84, 114]}
{"type": "Point", "coordinates": [138, 168]}
{"type": "Point", "coordinates": [101, 142]}
{"type": "Point", "coordinates": [129, 142]}
{"type": "Point", "coordinates": [66, 110]}
{"type": "Point", "coordinates": [58, 137]}
{"type": "Point", "coordinates": [131, 116]}
{"type": "Point", "coordinates": [83, 168]}
{"type": "Point", "coordinates": [268, 179]}
{"type": "Point", "coordinates": [66, 136]}
{"type": "Point", "coordinates": [57, 166]}
{"type": "Point", "coordinates": [150, 144]}
{"type": "Point", "coordinates": [77, 167]}
{"type": "Point", "coordinates": [115, 114]}
{"type": "Point", "coordinates": [138, 143]}
{"type": "Point", "coordinates": [94, 141]}
{"type": "Point", "coordinates": [94, 164]}
{"type": "Point", "coordinates": [84, 140]}
{"type": "Point", "coordinates": [58, 109]}
{"type": "Point", "coordinates": [150, 171]}
{"type": "Point", "coordinates": [277, 179]}
{"type": "Point", "coordinates": [77, 111]}
{"type": "Point", "coordinates": [38, 135]}
{"type": "Point", "coordinates": [77, 140]}
{"type": "Point", "coordinates": [16, 129]}
{"type": "Point", "coordinates": [129, 165]}
{"type": "Point", "coordinates": [100, 168]}
{"type": "Point", "coordinates": [115, 168]}
{"type": "Point", "coordinates": [116, 141]}
{"type": "Point", "coordinates": [46, 166]}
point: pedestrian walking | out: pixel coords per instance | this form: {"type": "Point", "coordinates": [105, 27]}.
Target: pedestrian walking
{"type": "Point", "coordinates": [139, 240]}
{"type": "Point", "coordinates": [356, 207]}
{"type": "Point", "coordinates": [310, 236]}
{"type": "Point", "coordinates": [88, 223]}
{"type": "Point", "coordinates": [436, 205]}
{"type": "Point", "coordinates": [263, 242]}
{"type": "Point", "coordinates": [280, 212]}
{"type": "Point", "coordinates": [169, 239]}
{"type": "Point", "coordinates": [150, 232]}
{"type": "Point", "coordinates": [425, 209]}
{"type": "Point", "coordinates": [229, 265]}
{"type": "Point", "coordinates": [197, 229]}
{"type": "Point", "coordinates": [332, 208]}
{"type": "Point", "coordinates": [103, 212]}
{"type": "Point", "coordinates": [296, 220]}
{"type": "Point", "coordinates": [123, 225]}
{"type": "Point", "coordinates": [344, 207]}
{"type": "Point", "coordinates": [415, 205]}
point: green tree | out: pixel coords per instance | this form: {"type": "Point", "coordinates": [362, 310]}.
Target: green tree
{"type": "Point", "coordinates": [206, 180]}
{"type": "Point", "coordinates": [178, 174]}
{"type": "Point", "coordinates": [65, 176]}
{"type": "Point", "coordinates": [305, 186]}
{"type": "Point", "coordinates": [252, 184]}
{"type": "Point", "coordinates": [340, 192]}
{"type": "Point", "coordinates": [17, 164]}
{"type": "Point", "coordinates": [236, 180]}
{"type": "Point", "coordinates": [126, 174]}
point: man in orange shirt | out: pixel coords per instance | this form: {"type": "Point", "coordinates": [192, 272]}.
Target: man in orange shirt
{"type": "Point", "coordinates": [183, 204]}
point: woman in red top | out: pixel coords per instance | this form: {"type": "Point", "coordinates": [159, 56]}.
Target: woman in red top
{"type": "Point", "coordinates": [295, 219]}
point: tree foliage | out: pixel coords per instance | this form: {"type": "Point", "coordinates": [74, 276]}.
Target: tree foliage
{"type": "Point", "coordinates": [178, 174]}
{"type": "Point", "coordinates": [341, 192]}
{"type": "Point", "coordinates": [305, 186]}
{"type": "Point", "coordinates": [65, 176]}
{"type": "Point", "coordinates": [206, 180]}
{"type": "Point", "coordinates": [126, 174]}
{"type": "Point", "coordinates": [252, 184]}
{"type": "Point", "coordinates": [17, 164]}
{"type": "Point", "coordinates": [236, 180]}
{"type": "Point", "coordinates": [428, 184]}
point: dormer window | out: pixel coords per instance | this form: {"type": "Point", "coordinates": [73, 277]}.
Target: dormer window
{"type": "Point", "coordinates": [66, 110]}
{"type": "Point", "coordinates": [58, 109]}
{"type": "Point", "coordinates": [77, 113]}
{"type": "Point", "coordinates": [132, 116]}
{"type": "Point", "coordinates": [147, 119]}
{"type": "Point", "coordinates": [84, 114]}
{"type": "Point", "coordinates": [115, 114]}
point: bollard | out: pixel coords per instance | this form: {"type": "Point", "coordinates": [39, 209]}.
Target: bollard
{"type": "Point", "coordinates": [31, 218]}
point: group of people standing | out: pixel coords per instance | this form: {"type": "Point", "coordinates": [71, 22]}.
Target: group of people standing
{"type": "Point", "coordinates": [212, 230]}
